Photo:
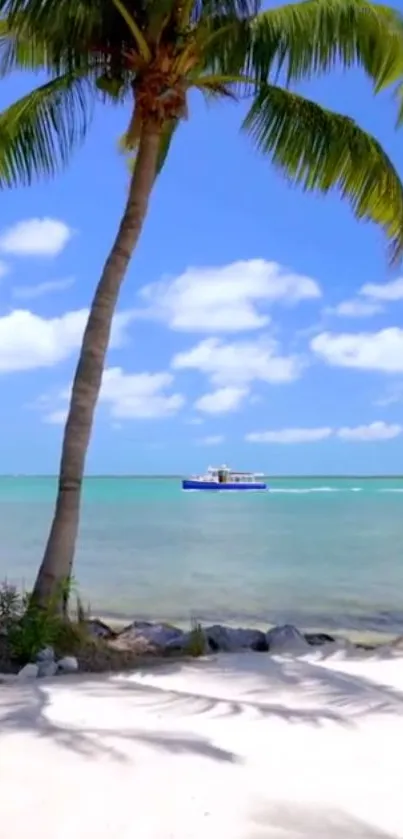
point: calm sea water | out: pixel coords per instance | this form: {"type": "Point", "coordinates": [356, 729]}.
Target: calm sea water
{"type": "Point", "coordinates": [318, 551]}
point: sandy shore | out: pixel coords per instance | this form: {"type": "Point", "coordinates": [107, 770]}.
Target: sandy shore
{"type": "Point", "coordinates": [244, 746]}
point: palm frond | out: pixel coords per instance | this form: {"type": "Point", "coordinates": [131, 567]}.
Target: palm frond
{"type": "Point", "coordinates": [306, 38]}
{"type": "Point", "coordinates": [315, 36]}
{"type": "Point", "coordinates": [75, 20]}
{"type": "Point", "coordinates": [39, 132]}
{"type": "Point", "coordinates": [23, 50]}
{"type": "Point", "coordinates": [218, 86]}
{"type": "Point", "coordinates": [20, 53]}
{"type": "Point", "coordinates": [321, 150]}
{"type": "Point", "coordinates": [399, 100]}
{"type": "Point", "coordinates": [134, 29]}
{"type": "Point", "coordinates": [239, 9]}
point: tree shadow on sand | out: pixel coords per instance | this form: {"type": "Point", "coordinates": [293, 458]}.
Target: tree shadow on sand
{"type": "Point", "coordinates": [281, 821]}
{"type": "Point", "coordinates": [294, 691]}
{"type": "Point", "coordinates": [29, 713]}
{"type": "Point", "coordinates": [318, 694]}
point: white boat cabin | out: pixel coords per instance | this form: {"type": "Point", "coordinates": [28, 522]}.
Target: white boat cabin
{"type": "Point", "coordinates": [225, 475]}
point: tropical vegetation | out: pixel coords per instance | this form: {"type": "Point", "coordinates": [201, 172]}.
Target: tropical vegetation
{"type": "Point", "coordinates": [148, 55]}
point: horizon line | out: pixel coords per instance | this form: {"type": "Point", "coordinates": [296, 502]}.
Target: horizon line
{"type": "Point", "coordinates": [129, 475]}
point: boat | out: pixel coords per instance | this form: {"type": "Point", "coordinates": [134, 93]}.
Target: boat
{"type": "Point", "coordinates": [222, 478]}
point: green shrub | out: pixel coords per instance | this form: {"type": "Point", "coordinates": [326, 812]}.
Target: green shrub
{"type": "Point", "coordinates": [30, 628]}
{"type": "Point", "coordinates": [36, 629]}
{"type": "Point", "coordinates": [11, 605]}
{"type": "Point", "coordinates": [71, 637]}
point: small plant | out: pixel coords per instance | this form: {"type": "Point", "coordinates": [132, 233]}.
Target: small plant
{"type": "Point", "coordinates": [33, 627]}
{"type": "Point", "coordinates": [82, 612]}
{"type": "Point", "coordinates": [11, 606]}
{"type": "Point", "coordinates": [196, 645]}
{"type": "Point", "coordinates": [37, 629]}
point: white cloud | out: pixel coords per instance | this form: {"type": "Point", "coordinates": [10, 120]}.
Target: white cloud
{"type": "Point", "coordinates": [371, 300]}
{"type": "Point", "coordinates": [381, 350]}
{"type": "Point", "coordinates": [221, 401]}
{"type": "Point", "coordinates": [28, 341]}
{"type": "Point", "coordinates": [239, 363]}
{"type": "Point", "coordinates": [139, 395]}
{"type": "Point", "coordinates": [211, 440]}
{"type": "Point", "coordinates": [225, 299]}
{"type": "Point", "coordinates": [389, 292]}
{"type": "Point", "coordinates": [367, 433]}
{"type": "Point", "coordinates": [356, 309]}
{"type": "Point", "coordinates": [31, 292]}
{"type": "Point", "coordinates": [361, 433]}
{"type": "Point", "coordinates": [57, 417]}
{"type": "Point", "coordinates": [194, 421]}
{"type": "Point", "coordinates": [128, 396]}
{"type": "Point", "coordinates": [35, 237]}
{"type": "Point", "coordinates": [288, 436]}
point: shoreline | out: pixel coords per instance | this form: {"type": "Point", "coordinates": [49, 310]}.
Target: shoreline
{"type": "Point", "coordinates": [356, 637]}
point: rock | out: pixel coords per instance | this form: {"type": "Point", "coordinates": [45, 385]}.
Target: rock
{"type": "Point", "coordinates": [98, 629]}
{"type": "Point", "coordinates": [316, 639]}
{"type": "Point", "coordinates": [139, 625]}
{"type": "Point", "coordinates": [260, 645]}
{"type": "Point", "coordinates": [155, 634]}
{"type": "Point", "coordinates": [286, 639]}
{"type": "Point", "coordinates": [68, 664]}
{"type": "Point", "coordinates": [192, 643]}
{"type": "Point", "coordinates": [30, 671]}
{"type": "Point", "coordinates": [227, 639]}
{"type": "Point", "coordinates": [47, 669]}
{"type": "Point", "coordinates": [47, 654]}
{"type": "Point", "coordinates": [213, 644]}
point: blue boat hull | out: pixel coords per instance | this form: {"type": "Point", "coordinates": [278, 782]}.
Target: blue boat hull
{"type": "Point", "coordinates": [215, 487]}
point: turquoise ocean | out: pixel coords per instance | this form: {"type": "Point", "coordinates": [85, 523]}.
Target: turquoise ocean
{"type": "Point", "coordinates": [314, 551]}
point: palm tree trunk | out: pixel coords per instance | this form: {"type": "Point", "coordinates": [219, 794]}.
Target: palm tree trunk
{"type": "Point", "coordinates": [56, 566]}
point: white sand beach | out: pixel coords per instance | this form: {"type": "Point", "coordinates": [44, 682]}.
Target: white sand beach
{"type": "Point", "coordinates": [239, 746]}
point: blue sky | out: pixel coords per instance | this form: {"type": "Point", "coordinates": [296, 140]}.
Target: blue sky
{"type": "Point", "coordinates": [257, 325]}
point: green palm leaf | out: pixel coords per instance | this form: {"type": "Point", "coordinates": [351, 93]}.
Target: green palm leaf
{"type": "Point", "coordinates": [73, 20]}
{"type": "Point", "coordinates": [306, 38]}
{"type": "Point", "coordinates": [321, 150]}
{"type": "Point", "coordinates": [316, 35]}
{"type": "Point", "coordinates": [39, 132]}
{"type": "Point", "coordinates": [25, 51]}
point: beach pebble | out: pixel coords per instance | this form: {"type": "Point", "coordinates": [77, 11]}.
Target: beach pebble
{"type": "Point", "coordinates": [286, 639]}
{"type": "Point", "coordinates": [30, 671]}
{"type": "Point", "coordinates": [47, 654]}
{"type": "Point", "coordinates": [157, 634]}
{"type": "Point", "coordinates": [68, 664]}
{"type": "Point", "coordinates": [47, 669]}
{"type": "Point", "coordinates": [227, 639]}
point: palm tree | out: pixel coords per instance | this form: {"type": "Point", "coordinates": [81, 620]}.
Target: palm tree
{"type": "Point", "coordinates": [150, 53]}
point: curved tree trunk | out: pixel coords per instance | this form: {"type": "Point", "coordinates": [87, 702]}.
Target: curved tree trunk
{"type": "Point", "coordinates": [56, 566]}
